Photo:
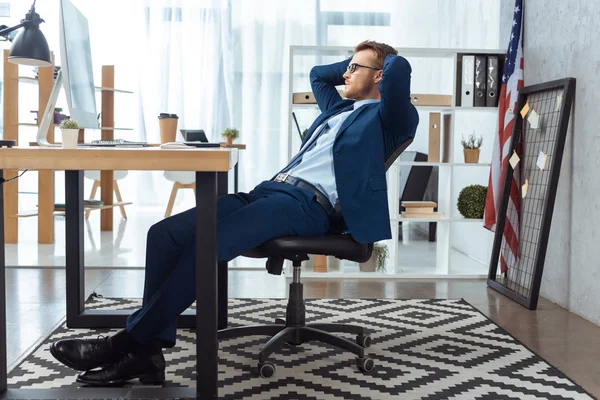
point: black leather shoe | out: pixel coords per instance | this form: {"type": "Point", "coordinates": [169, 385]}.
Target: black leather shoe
{"type": "Point", "coordinates": [149, 368]}
{"type": "Point", "coordinates": [84, 354]}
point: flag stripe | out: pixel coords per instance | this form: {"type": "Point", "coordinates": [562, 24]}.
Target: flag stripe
{"type": "Point", "coordinates": [512, 81]}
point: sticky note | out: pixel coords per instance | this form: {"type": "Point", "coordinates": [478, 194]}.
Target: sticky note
{"type": "Point", "coordinates": [525, 110]}
{"type": "Point", "coordinates": [541, 160]}
{"type": "Point", "coordinates": [558, 102]}
{"type": "Point", "coordinates": [534, 119]}
{"type": "Point", "coordinates": [514, 160]}
{"type": "Point", "coordinates": [524, 188]}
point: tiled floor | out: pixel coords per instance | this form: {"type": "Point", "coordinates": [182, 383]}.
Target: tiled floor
{"type": "Point", "coordinates": [36, 304]}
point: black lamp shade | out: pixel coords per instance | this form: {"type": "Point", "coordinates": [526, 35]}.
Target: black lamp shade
{"type": "Point", "coordinates": [30, 48]}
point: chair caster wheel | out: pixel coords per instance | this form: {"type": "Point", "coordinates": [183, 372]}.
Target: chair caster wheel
{"type": "Point", "coordinates": [365, 364]}
{"type": "Point", "coordinates": [266, 369]}
{"type": "Point", "coordinates": [363, 340]}
{"type": "Point", "coordinates": [280, 321]}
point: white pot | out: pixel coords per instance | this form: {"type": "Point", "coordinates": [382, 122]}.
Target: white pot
{"type": "Point", "coordinates": [69, 138]}
{"type": "Point", "coordinates": [370, 265]}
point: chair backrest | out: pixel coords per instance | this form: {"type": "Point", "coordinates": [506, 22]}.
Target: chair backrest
{"type": "Point", "coordinates": [390, 160]}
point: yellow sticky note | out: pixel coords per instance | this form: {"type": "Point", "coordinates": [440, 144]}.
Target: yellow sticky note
{"type": "Point", "coordinates": [524, 188]}
{"type": "Point", "coordinates": [514, 160]}
{"type": "Point", "coordinates": [525, 110]}
{"type": "Point", "coordinates": [541, 160]}
{"type": "Point", "coordinates": [534, 119]}
{"type": "Point", "coordinates": [558, 102]}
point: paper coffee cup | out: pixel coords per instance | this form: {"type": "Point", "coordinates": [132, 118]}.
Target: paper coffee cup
{"type": "Point", "coordinates": [168, 127]}
{"type": "Point", "coordinates": [69, 138]}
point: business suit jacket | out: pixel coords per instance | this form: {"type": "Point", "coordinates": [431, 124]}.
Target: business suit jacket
{"type": "Point", "coordinates": [363, 143]}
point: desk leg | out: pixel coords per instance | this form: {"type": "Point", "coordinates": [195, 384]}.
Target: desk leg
{"type": "Point", "coordinates": [235, 177]}
{"type": "Point", "coordinates": [3, 361]}
{"type": "Point", "coordinates": [222, 188]}
{"type": "Point", "coordinates": [74, 244]}
{"type": "Point", "coordinates": [206, 286]}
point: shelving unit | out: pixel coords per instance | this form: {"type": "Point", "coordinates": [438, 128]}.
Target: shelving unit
{"type": "Point", "coordinates": [450, 261]}
{"type": "Point", "coordinates": [45, 211]}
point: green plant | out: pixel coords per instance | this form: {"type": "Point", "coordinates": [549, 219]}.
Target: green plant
{"type": "Point", "coordinates": [381, 253]}
{"type": "Point", "coordinates": [69, 124]}
{"type": "Point", "coordinates": [471, 201]}
{"type": "Point", "coordinates": [231, 133]}
{"type": "Point", "coordinates": [473, 142]}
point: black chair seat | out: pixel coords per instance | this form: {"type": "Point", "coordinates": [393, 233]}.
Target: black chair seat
{"type": "Point", "coordinates": [340, 246]}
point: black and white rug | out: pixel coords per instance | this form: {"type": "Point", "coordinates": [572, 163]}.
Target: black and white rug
{"type": "Point", "coordinates": [423, 349]}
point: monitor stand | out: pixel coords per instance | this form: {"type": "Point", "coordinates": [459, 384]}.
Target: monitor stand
{"type": "Point", "coordinates": [48, 117]}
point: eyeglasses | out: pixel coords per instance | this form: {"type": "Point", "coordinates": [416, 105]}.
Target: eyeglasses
{"type": "Point", "coordinates": [352, 67]}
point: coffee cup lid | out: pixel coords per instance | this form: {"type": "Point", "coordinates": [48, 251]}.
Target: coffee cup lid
{"type": "Point", "coordinates": [167, 115]}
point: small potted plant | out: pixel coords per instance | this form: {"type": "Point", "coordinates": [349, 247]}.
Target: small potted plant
{"type": "Point", "coordinates": [70, 133]}
{"type": "Point", "coordinates": [471, 201]}
{"type": "Point", "coordinates": [471, 148]}
{"type": "Point", "coordinates": [230, 134]}
{"type": "Point", "coordinates": [377, 260]}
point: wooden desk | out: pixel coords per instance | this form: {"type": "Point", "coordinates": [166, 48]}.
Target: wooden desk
{"type": "Point", "coordinates": [211, 166]}
{"type": "Point", "coordinates": [46, 201]}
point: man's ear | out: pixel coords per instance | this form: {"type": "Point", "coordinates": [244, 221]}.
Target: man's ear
{"type": "Point", "coordinates": [378, 76]}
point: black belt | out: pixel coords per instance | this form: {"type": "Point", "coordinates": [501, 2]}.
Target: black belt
{"type": "Point", "coordinates": [319, 196]}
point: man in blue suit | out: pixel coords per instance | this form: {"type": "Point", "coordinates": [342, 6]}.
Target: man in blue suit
{"type": "Point", "coordinates": [340, 163]}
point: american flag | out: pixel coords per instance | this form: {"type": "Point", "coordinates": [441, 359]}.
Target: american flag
{"type": "Point", "coordinates": [512, 81]}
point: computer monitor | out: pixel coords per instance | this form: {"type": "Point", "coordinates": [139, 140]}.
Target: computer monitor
{"type": "Point", "coordinates": [75, 74]}
{"type": "Point", "coordinates": [76, 65]}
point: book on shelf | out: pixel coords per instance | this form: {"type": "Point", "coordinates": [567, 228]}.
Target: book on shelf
{"type": "Point", "coordinates": [419, 204]}
{"type": "Point", "coordinates": [419, 209]}
{"type": "Point", "coordinates": [430, 215]}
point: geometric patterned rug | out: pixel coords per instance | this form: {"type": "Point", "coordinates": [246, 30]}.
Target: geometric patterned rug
{"type": "Point", "coordinates": [423, 349]}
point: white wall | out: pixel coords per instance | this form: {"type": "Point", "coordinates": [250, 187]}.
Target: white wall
{"type": "Point", "coordinates": [561, 40]}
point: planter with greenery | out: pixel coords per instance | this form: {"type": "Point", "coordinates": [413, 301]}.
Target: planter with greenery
{"type": "Point", "coordinates": [70, 133]}
{"type": "Point", "coordinates": [471, 148]}
{"type": "Point", "coordinates": [230, 134]}
{"type": "Point", "coordinates": [471, 201]}
{"type": "Point", "coordinates": [377, 260]}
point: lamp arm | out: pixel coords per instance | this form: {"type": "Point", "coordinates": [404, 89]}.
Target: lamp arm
{"type": "Point", "coordinates": [6, 31]}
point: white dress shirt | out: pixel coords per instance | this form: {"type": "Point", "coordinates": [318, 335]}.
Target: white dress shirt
{"type": "Point", "coordinates": [316, 166]}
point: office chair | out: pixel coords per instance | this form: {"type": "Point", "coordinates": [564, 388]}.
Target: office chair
{"type": "Point", "coordinates": [293, 330]}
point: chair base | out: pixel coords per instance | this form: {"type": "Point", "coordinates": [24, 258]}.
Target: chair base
{"type": "Point", "coordinates": [294, 331]}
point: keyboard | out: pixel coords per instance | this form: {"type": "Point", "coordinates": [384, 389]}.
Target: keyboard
{"type": "Point", "coordinates": [114, 143]}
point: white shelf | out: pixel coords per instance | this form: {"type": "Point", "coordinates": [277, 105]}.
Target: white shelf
{"type": "Point", "coordinates": [403, 51]}
{"type": "Point", "coordinates": [382, 276]}
{"type": "Point", "coordinates": [487, 165]}
{"type": "Point", "coordinates": [440, 219]}
{"type": "Point", "coordinates": [494, 109]}
{"type": "Point", "coordinates": [425, 108]}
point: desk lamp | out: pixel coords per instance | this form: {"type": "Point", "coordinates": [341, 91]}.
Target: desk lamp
{"type": "Point", "coordinates": [29, 47]}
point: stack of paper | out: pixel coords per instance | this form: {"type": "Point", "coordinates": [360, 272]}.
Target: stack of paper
{"type": "Point", "coordinates": [419, 209]}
